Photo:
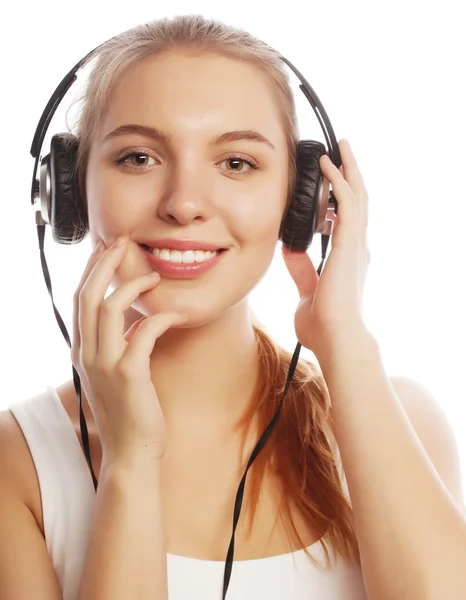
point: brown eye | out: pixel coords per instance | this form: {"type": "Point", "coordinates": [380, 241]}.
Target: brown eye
{"type": "Point", "coordinates": [140, 159]}
{"type": "Point", "coordinates": [237, 162]}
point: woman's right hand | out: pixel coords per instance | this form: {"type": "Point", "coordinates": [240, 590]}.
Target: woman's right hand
{"type": "Point", "coordinates": [114, 367]}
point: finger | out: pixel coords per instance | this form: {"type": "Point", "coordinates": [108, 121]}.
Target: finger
{"type": "Point", "coordinates": [352, 174]}
{"type": "Point", "coordinates": [348, 173]}
{"type": "Point", "coordinates": [341, 189]}
{"type": "Point", "coordinates": [138, 352]}
{"type": "Point", "coordinates": [332, 174]}
{"type": "Point", "coordinates": [76, 342]}
{"type": "Point", "coordinates": [91, 297]}
{"type": "Point", "coordinates": [302, 271]}
{"type": "Point", "coordinates": [356, 181]}
{"type": "Point", "coordinates": [111, 339]}
{"type": "Point", "coordinates": [128, 336]}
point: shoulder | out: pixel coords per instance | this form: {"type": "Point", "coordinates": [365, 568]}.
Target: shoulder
{"type": "Point", "coordinates": [17, 471]}
{"type": "Point", "coordinates": [10, 433]}
{"type": "Point", "coordinates": [22, 541]}
{"type": "Point", "coordinates": [434, 431]}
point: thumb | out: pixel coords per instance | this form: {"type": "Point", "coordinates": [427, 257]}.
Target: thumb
{"type": "Point", "coordinates": [302, 271]}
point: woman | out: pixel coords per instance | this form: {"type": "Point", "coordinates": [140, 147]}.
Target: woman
{"type": "Point", "coordinates": [179, 382]}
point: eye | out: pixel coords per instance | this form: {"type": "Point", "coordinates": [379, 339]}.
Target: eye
{"type": "Point", "coordinates": [140, 158]}
{"type": "Point", "coordinates": [235, 159]}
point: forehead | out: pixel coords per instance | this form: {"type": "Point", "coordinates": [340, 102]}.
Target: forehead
{"type": "Point", "coordinates": [188, 92]}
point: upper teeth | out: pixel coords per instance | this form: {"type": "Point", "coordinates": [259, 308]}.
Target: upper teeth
{"type": "Point", "coordinates": [189, 256]}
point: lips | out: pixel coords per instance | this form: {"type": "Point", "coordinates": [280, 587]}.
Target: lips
{"type": "Point", "coordinates": [181, 270]}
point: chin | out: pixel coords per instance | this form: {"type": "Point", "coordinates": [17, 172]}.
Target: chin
{"type": "Point", "coordinates": [203, 301]}
{"type": "Point", "coordinates": [199, 312]}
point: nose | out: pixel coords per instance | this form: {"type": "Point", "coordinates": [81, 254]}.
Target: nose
{"type": "Point", "coordinates": [186, 198]}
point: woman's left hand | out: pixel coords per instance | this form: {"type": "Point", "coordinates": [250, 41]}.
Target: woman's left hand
{"type": "Point", "coordinates": [332, 305]}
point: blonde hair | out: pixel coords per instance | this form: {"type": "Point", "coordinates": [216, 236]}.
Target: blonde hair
{"type": "Point", "coordinates": [299, 449]}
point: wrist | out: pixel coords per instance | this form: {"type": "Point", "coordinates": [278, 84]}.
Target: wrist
{"type": "Point", "coordinates": [345, 342]}
{"type": "Point", "coordinates": [134, 465]}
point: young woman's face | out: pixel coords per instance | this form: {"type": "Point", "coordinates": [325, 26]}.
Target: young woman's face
{"type": "Point", "coordinates": [183, 186]}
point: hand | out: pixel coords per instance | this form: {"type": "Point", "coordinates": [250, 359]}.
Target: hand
{"type": "Point", "coordinates": [114, 368]}
{"type": "Point", "coordinates": [333, 305]}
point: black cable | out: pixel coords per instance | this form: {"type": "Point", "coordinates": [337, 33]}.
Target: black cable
{"type": "Point", "coordinates": [77, 382]}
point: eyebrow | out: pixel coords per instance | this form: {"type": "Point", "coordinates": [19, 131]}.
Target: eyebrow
{"type": "Point", "coordinates": [160, 136]}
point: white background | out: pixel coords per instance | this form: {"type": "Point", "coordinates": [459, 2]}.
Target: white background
{"type": "Point", "coordinates": [391, 78]}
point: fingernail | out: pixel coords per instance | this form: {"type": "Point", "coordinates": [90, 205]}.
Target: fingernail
{"type": "Point", "coordinates": [118, 242]}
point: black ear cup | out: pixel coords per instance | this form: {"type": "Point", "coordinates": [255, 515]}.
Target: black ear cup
{"type": "Point", "coordinates": [301, 218]}
{"type": "Point", "coordinates": [67, 214]}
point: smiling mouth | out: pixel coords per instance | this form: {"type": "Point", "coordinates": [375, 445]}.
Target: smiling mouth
{"type": "Point", "coordinates": [186, 257]}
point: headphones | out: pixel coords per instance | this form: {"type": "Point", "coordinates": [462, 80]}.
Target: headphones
{"type": "Point", "coordinates": [63, 209]}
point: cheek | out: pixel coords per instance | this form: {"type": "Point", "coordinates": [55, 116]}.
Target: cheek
{"type": "Point", "coordinates": [254, 229]}
{"type": "Point", "coordinates": [256, 220]}
{"type": "Point", "coordinates": [114, 204]}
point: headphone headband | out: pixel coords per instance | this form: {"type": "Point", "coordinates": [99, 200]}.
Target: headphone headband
{"type": "Point", "coordinates": [71, 77]}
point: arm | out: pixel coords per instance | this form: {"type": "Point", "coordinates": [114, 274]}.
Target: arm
{"type": "Point", "coordinates": [411, 533]}
{"type": "Point", "coordinates": [26, 569]}
{"type": "Point", "coordinates": [126, 555]}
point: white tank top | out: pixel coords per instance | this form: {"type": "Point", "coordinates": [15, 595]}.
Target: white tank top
{"type": "Point", "coordinates": [68, 497]}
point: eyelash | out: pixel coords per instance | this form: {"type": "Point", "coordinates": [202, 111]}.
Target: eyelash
{"type": "Point", "coordinates": [127, 155]}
